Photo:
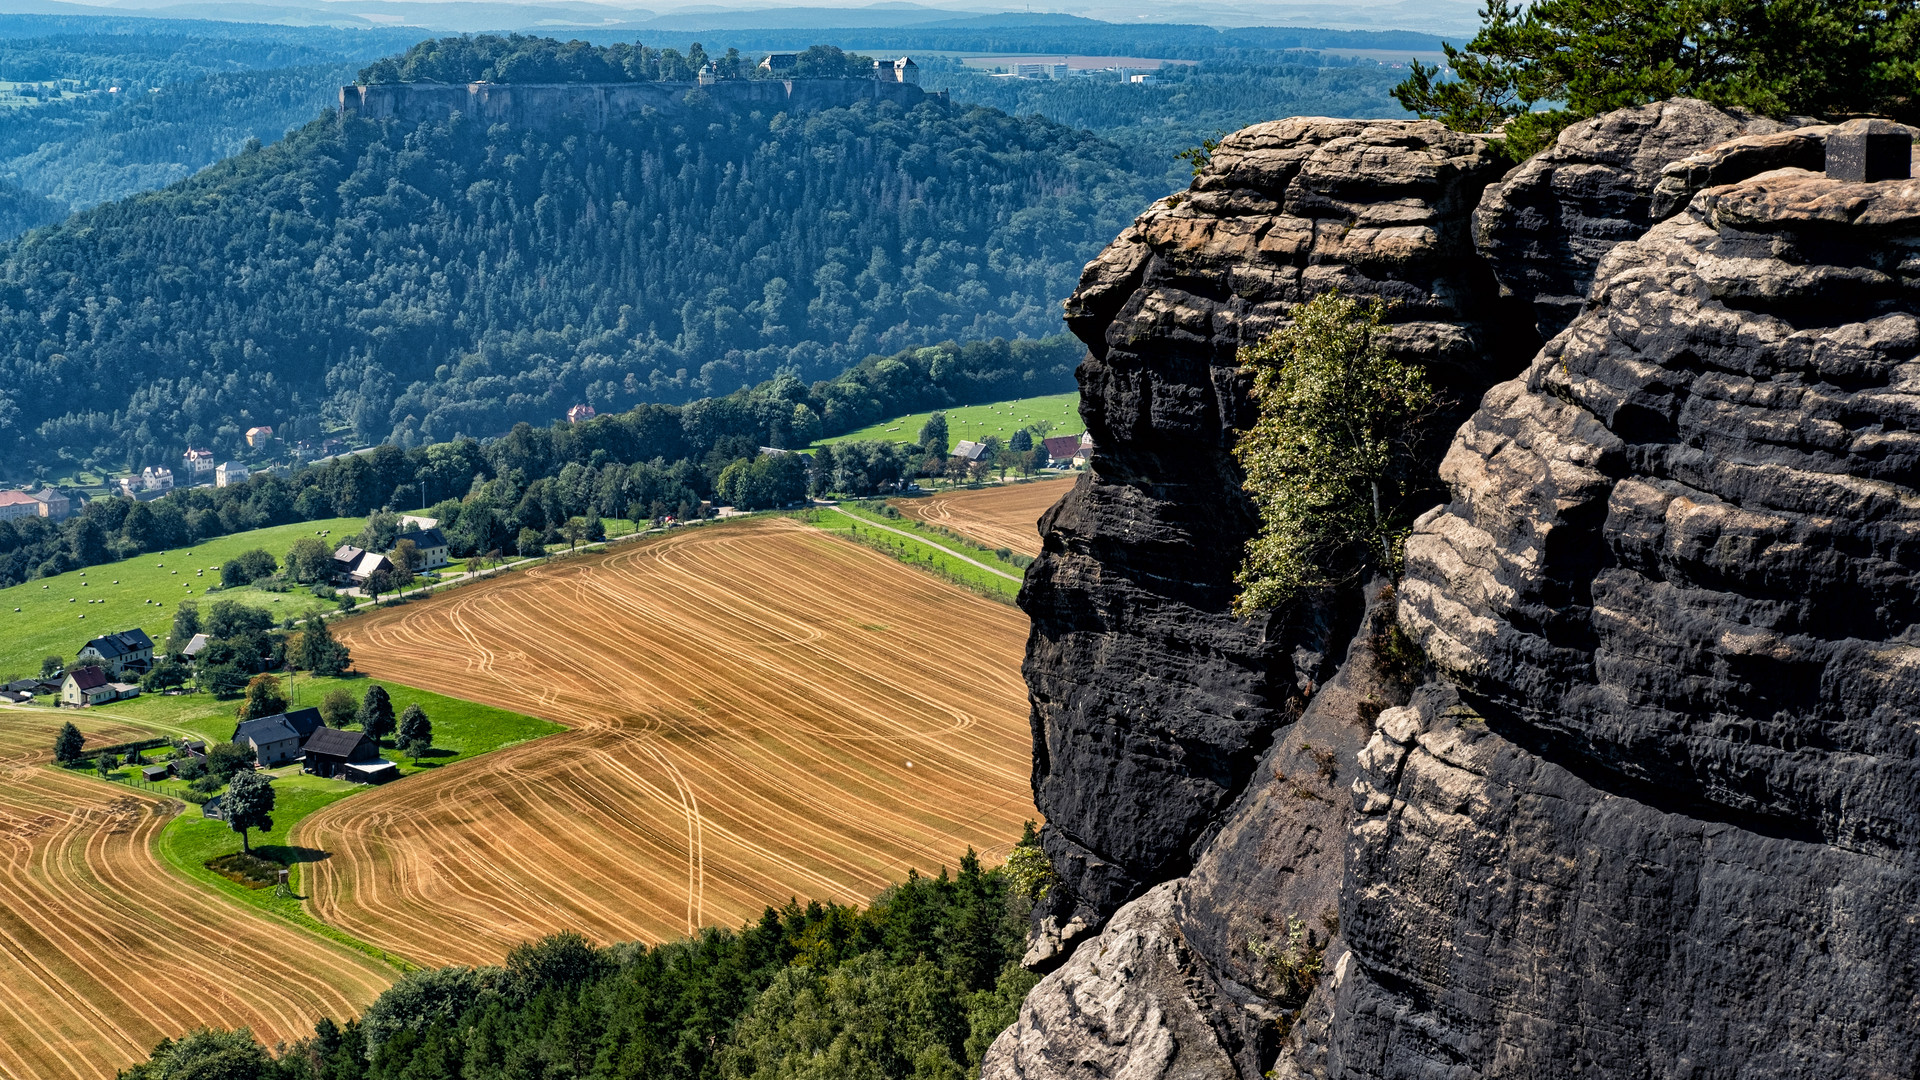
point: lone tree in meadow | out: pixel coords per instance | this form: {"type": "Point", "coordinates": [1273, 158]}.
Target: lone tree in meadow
{"type": "Point", "coordinates": [249, 805]}
{"type": "Point", "coordinates": [67, 745]}
{"type": "Point", "coordinates": [264, 698]}
{"type": "Point", "coordinates": [1328, 460]}
{"type": "Point", "coordinates": [414, 726]}
{"type": "Point", "coordinates": [104, 764]}
{"type": "Point", "coordinates": [376, 713]}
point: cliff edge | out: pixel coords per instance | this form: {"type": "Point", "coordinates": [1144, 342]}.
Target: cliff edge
{"type": "Point", "coordinates": [1619, 778]}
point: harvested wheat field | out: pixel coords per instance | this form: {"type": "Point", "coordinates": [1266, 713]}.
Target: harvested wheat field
{"type": "Point", "coordinates": [103, 951]}
{"type": "Point", "coordinates": [1007, 516]}
{"type": "Point", "coordinates": [758, 711]}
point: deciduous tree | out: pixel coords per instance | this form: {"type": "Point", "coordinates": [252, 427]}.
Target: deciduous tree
{"type": "Point", "coordinates": [249, 805]}
{"type": "Point", "coordinates": [263, 698]}
{"type": "Point", "coordinates": [339, 708]}
{"type": "Point", "coordinates": [1328, 458]}
{"type": "Point", "coordinates": [414, 725]}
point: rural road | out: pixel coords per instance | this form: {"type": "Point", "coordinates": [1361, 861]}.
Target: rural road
{"type": "Point", "coordinates": [924, 540]}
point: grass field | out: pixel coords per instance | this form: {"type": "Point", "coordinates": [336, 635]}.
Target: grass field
{"type": "Point", "coordinates": [59, 614]}
{"type": "Point", "coordinates": [757, 711]}
{"type": "Point", "coordinates": [104, 951]}
{"type": "Point", "coordinates": [1007, 516]}
{"type": "Point", "coordinates": [976, 422]}
{"type": "Point", "coordinates": [924, 548]}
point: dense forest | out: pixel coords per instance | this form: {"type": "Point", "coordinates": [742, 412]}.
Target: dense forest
{"type": "Point", "coordinates": [917, 985]}
{"type": "Point", "coordinates": [649, 462]}
{"type": "Point", "coordinates": [442, 280]}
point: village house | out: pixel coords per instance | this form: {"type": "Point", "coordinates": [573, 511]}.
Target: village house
{"type": "Point", "coordinates": [780, 61]}
{"type": "Point", "coordinates": [196, 464]}
{"type": "Point", "coordinates": [579, 413]}
{"type": "Point", "coordinates": [150, 484]}
{"type": "Point", "coordinates": [229, 473]}
{"type": "Point", "coordinates": [90, 686]}
{"type": "Point", "coordinates": [431, 543]}
{"type": "Point", "coordinates": [1068, 451]}
{"type": "Point", "coordinates": [258, 437]}
{"type": "Point", "coordinates": [353, 566]}
{"type": "Point", "coordinates": [969, 451]}
{"type": "Point", "coordinates": [304, 723]}
{"type": "Point", "coordinates": [120, 651]}
{"type": "Point", "coordinates": [14, 504]}
{"type": "Point", "coordinates": [195, 647]}
{"type": "Point", "coordinates": [54, 505]}
{"type": "Point", "coordinates": [347, 755]}
{"type": "Point", "coordinates": [273, 740]}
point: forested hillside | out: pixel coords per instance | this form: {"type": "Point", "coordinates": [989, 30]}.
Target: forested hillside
{"type": "Point", "coordinates": [446, 280]}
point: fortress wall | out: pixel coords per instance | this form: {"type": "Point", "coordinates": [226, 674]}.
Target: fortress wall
{"type": "Point", "coordinates": [594, 104]}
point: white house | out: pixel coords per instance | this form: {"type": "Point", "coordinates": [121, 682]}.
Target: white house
{"type": "Point", "coordinates": [90, 686]}
{"type": "Point", "coordinates": [118, 652]}
{"type": "Point", "coordinates": [196, 463]}
{"type": "Point", "coordinates": [15, 504]}
{"type": "Point", "coordinates": [228, 473]}
{"type": "Point", "coordinates": [431, 543]}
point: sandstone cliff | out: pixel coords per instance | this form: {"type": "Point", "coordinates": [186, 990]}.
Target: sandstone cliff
{"type": "Point", "coordinates": [1643, 801]}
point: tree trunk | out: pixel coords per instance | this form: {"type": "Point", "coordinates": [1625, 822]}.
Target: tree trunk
{"type": "Point", "coordinates": [245, 846]}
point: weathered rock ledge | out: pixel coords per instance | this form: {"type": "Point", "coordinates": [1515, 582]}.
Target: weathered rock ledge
{"type": "Point", "coordinates": [1646, 806]}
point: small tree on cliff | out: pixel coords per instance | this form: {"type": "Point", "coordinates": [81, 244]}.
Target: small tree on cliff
{"type": "Point", "coordinates": [1328, 458]}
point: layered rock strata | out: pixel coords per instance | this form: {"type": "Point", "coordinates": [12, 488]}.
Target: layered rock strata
{"type": "Point", "coordinates": [1650, 808]}
{"type": "Point", "coordinates": [1152, 702]}
{"type": "Point", "coordinates": [1545, 227]}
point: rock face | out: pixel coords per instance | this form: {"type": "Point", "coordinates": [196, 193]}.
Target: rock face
{"type": "Point", "coordinates": [1545, 227]}
{"type": "Point", "coordinates": [1643, 802]}
{"type": "Point", "coordinates": [1151, 701]}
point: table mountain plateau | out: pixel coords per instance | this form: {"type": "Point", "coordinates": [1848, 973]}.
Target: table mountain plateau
{"type": "Point", "coordinates": [1618, 779]}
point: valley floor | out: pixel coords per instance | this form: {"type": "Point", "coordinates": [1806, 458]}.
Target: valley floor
{"type": "Point", "coordinates": [757, 712]}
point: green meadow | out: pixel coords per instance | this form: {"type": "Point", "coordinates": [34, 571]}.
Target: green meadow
{"type": "Point", "coordinates": [59, 614]}
{"type": "Point", "coordinates": [976, 422]}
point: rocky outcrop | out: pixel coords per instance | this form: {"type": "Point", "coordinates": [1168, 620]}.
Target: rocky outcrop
{"type": "Point", "coordinates": [1679, 582]}
{"type": "Point", "coordinates": [1642, 800]}
{"type": "Point", "coordinates": [1545, 227]}
{"type": "Point", "coordinates": [1152, 702]}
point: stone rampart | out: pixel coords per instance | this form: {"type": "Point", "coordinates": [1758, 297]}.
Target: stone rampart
{"type": "Point", "coordinates": [593, 104]}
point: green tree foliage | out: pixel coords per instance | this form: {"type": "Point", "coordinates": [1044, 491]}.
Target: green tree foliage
{"type": "Point", "coordinates": [186, 623]}
{"type": "Point", "coordinates": [649, 462]}
{"type": "Point", "coordinates": [339, 708]}
{"type": "Point", "coordinates": [320, 652]}
{"type": "Point", "coordinates": [248, 804]}
{"type": "Point", "coordinates": [246, 568]}
{"type": "Point", "coordinates": [165, 674]}
{"type": "Point", "coordinates": [376, 713]}
{"type": "Point", "coordinates": [675, 254]}
{"type": "Point", "coordinates": [1585, 57]}
{"type": "Point", "coordinates": [67, 745]}
{"type": "Point", "coordinates": [222, 680]}
{"type": "Point", "coordinates": [1328, 459]}
{"type": "Point", "coordinates": [264, 697]}
{"type": "Point", "coordinates": [208, 1055]}
{"type": "Point", "coordinates": [310, 560]}
{"type": "Point", "coordinates": [916, 985]}
{"type": "Point", "coordinates": [414, 725]}
{"type": "Point", "coordinates": [230, 618]}
{"type": "Point", "coordinates": [933, 435]}
{"type": "Point", "coordinates": [52, 665]}
{"type": "Point", "coordinates": [104, 764]}
{"type": "Point", "coordinates": [764, 482]}
{"type": "Point", "coordinates": [224, 759]}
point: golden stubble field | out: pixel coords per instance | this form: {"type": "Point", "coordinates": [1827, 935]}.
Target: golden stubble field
{"type": "Point", "coordinates": [1005, 516]}
{"type": "Point", "coordinates": [103, 951]}
{"type": "Point", "coordinates": [758, 711]}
